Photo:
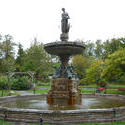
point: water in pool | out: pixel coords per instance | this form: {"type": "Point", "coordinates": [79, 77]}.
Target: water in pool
{"type": "Point", "coordinates": [87, 103]}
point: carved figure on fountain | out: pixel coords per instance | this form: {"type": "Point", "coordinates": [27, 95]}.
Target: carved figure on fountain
{"type": "Point", "coordinates": [65, 26]}
{"type": "Point", "coordinates": [69, 73]}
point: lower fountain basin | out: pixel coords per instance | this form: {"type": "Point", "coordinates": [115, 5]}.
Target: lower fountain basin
{"type": "Point", "coordinates": [94, 108]}
{"type": "Point", "coordinates": [64, 48]}
{"type": "Point", "coordinates": [39, 102]}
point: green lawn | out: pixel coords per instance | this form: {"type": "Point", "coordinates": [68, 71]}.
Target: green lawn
{"type": "Point", "coordinates": [45, 88]}
{"type": "Point", "coordinates": [108, 91]}
{"type": "Point", "coordinates": [4, 93]}
{"type": "Point", "coordinates": [113, 123]}
{"type": "Point", "coordinates": [116, 85]}
{"type": "Point", "coordinates": [7, 93]}
{"type": "Point", "coordinates": [41, 89]}
{"type": "Point", "coordinates": [109, 85]}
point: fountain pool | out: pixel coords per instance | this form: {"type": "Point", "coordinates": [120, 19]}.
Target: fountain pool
{"type": "Point", "coordinates": [94, 108]}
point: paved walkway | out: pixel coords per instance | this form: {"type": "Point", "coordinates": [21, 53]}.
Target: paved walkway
{"type": "Point", "coordinates": [25, 93]}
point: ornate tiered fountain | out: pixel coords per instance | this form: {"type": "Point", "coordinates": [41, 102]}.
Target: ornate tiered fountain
{"type": "Point", "coordinates": [64, 89]}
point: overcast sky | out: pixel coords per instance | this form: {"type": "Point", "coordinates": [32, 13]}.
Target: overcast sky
{"type": "Point", "coordinates": [90, 19]}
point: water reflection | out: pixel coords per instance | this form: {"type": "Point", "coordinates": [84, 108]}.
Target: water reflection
{"type": "Point", "coordinates": [87, 103]}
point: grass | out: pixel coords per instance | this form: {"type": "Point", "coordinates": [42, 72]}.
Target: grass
{"type": "Point", "coordinates": [45, 88]}
{"type": "Point", "coordinates": [107, 91]}
{"type": "Point", "coordinates": [41, 89]}
{"type": "Point", "coordinates": [88, 90]}
{"type": "Point", "coordinates": [109, 85]}
{"type": "Point", "coordinates": [7, 93]}
{"type": "Point", "coordinates": [4, 92]}
{"type": "Point", "coordinates": [112, 123]}
{"type": "Point", "coordinates": [114, 85]}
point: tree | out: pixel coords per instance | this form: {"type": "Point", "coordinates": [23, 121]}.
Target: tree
{"type": "Point", "coordinates": [81, 64]}
{"type": "Point", "coordinates": [110, 46]}
{"type": "Point", "coordinates": [101, 49]}
{"type": "Point", "coordinates": [20, 58]}
{"type": "Point", "coordinates": [7, 53]}
{"type": "Point", "coordinates": [93, 73]}
{"type": "Point", "coordinates": [36, 59]}
{"type": "Point", "coordinates": [114, 68]}
{"type": "Point", "coordinates": [0, 46]}
{"type": "Point", "coordinates": [98, 51]}
{"type": "Point", "coordinates": [89, 49]}
{"type": "Point", "coordinates": [8, 47]}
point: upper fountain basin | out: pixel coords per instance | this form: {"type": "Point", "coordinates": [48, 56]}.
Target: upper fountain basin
{"type": "Point", "coordinates": [64, 48]}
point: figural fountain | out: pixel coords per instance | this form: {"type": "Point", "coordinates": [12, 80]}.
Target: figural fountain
{"type": "Point", "coordinates": [65, 103]}
{"type": "Point", "coordinates": [64, 89]}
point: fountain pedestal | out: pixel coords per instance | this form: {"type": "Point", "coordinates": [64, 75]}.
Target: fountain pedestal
{"type": "Point", "coordinates": [64, 91]}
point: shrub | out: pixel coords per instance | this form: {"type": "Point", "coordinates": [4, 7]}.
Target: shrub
{"type": "Point", "coordinates": [3, 82]}
{"type": "Point", "coordinates": [20, 83]}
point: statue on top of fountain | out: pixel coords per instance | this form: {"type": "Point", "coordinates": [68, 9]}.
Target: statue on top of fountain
{"type": "Point", "coordinates": [65, 26]}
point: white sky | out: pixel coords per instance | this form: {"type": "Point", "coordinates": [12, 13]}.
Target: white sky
{"type": "Point", "coordinates": [90, 19]}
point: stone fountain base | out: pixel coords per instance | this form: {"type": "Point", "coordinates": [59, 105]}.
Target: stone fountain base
{"type": "Point", "coordinates": [64, 91]}
{"type": "Point", "coordinates": [62, 117]}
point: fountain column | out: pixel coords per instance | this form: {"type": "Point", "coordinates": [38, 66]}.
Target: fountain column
{"type": "Point", "coordinates": [64, 64]}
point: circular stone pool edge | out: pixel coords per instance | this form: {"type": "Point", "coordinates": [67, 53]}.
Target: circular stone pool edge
{"type": "Point", "coordinates": [62, 116]}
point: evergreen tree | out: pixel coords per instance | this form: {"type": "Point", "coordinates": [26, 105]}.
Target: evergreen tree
{"type": "Point", "coordinates": [20, 58]}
